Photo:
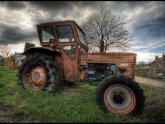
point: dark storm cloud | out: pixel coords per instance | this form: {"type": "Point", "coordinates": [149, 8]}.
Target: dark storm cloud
{"type": "Point", "coordinates": [63, 8]}
{"type": "Point", "coordinates": [51, 5]}
{"type": "Point", "coordinates": [145, 28]}
{"type": "Point", "coordinates": [16, 5]}
{"type": "Point", "coordinates": [10, 34]}
{"type": "Point", "coordinates": [150, 31]}
{"type": "Point", "coordinates": [57, 9]}
{"type": "Point", "coordinates": [158, 50]}
{"type": "Point", "coordinates": [60, 5]}
{"type": "Point", "coordinates": [124, 5]}
{"type": "Point", "coordinates": [66, 8]}
{"type": "Point", "coordinates": [14, 35]}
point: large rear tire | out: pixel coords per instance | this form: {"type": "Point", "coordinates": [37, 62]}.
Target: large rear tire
{"type": "Point", "coordinates": [39, 72]}
{"type": "Point", "coordinates": [120, 95]}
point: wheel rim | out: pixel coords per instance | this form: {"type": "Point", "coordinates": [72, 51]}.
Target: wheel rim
{"type": "Point", "coordinates": [119, 99]}
{"type": "Point", "coordinates": [35, 78]}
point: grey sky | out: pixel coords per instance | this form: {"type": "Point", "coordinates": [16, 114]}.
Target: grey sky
{"type": "Point", "coordinates": [146, 20]}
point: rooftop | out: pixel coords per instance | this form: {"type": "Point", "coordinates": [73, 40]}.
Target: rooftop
{"type": "Point", "coordinates": [157, 59]}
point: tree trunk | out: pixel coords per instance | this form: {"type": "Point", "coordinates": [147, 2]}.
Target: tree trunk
{"type": "Point", "coordinates": [102, 45]}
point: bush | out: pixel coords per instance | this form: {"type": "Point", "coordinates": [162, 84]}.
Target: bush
{"type": "Point", "coordinates": [150, 72]}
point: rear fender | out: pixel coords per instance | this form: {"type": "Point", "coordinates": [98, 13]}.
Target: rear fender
{"type": "Point", "coordinates": [41, 50]}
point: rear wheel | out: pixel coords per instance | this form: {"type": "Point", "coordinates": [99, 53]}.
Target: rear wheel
{"type": "Point", "coordinates": [120, 95]}
{"type": "Point", "coordinates": [39, 72]}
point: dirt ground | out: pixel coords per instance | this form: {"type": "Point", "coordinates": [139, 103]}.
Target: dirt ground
{"type": "Point", "coordinates": [4, 114]}
{"type": "Point", "coordinates": [151, 82]}
{"type": "Point", "coordinates": [5, 117]}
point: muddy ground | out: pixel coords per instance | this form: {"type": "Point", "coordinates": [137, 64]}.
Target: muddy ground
{"type": "Point", "coordinates": [5, 116]}
{"type": "Point", "coordinates": [150, 82]}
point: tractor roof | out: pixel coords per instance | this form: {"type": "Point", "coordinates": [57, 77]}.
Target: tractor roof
{"type": "Point", "coordinates": [55, 22]}
{"type": "Point", "coordinates": [58, 22]}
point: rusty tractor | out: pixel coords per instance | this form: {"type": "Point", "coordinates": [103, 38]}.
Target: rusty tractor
{"type": "Point", "coordinates": [64, 57]}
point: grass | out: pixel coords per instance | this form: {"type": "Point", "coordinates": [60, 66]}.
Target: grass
{"type": "Point", "coordinates": [74, 103]}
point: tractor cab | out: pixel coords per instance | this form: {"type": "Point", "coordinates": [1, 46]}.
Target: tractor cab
{"type": "Point", "coordinates": [68, 39]}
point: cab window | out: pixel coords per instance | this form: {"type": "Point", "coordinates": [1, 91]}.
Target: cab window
{"type": "Point", "coordinates": [65, 33]}
{"type": "Point", "coordinates": [46, 34]}
{"type": "Point", "coordinates": [70, 50]}
{"type": "Point", "coordinates": [82, 37]}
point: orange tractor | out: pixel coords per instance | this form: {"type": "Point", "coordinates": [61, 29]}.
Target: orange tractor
{"type": "Point", "coordinates": [64, 57]}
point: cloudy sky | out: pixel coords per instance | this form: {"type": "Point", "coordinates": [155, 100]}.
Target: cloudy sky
{"type": "Point", "coordinates": [146, 20]}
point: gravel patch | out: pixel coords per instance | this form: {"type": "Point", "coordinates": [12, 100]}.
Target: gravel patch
{"type": "Point", "coordinates": [151, 82]}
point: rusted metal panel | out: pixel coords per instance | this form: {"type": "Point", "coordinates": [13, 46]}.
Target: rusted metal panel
{"type": "Point", "coordinates": [113, 57]}
{"type": "Point", "coordinates": [68, 67]}
{"type": "Point", "coordinates": [117, 58]}
{"type": "Point", "coordinates": [60, 66]}
{"type": "Point", "coordinates": [83, 56]}
{"type": "Point", "coordinates": [82, 61]}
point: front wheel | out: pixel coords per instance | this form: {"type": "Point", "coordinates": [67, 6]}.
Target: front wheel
{"type": "Point", "coordinates": [120, 95]}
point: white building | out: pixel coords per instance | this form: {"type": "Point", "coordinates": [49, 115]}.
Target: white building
{"type": "Point", "coordinates": [19, 57]}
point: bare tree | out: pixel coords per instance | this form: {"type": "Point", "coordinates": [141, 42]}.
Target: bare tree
{"type": "Point", "coordinates": [7, 61]}
{"type": "Point", "coordinates": [106, 30]}
{"type": "Point", "coordinates": [4, 51]}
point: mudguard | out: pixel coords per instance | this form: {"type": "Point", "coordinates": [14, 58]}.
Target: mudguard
{"type": "Point", "coordinates": [41, 49]}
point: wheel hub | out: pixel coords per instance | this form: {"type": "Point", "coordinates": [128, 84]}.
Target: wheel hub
{"type": "Point", "coordinates": [36, 76]}
{"type": "Point", "coordinates": [119, 99]}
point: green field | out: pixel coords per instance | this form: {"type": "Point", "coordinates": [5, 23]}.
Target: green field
{"type": "Point", "coordinates": [74, 103]}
